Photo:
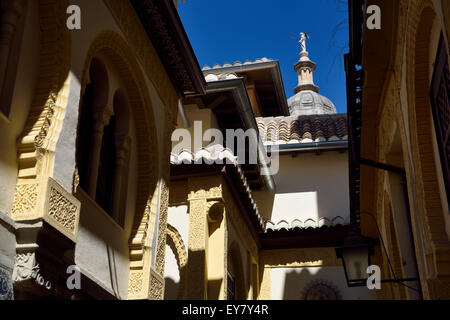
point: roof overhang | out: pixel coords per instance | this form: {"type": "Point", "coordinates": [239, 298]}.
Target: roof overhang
{"type": "Point", "coordinates": [304, 238]}
{"type": "Point", "coordinates": [166, 32]}
{"type": "Point", "coordinates": [274, 88]}
{"type": "Point", "coordinates": [242, 102]}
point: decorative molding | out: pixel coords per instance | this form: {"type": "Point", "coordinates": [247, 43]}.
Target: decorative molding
{"type": "Point", "coordinates": [136, 283]}
{"type": "Point", "coordinates": [156, 291]}
{"type": "Point", "coordinates": [210, 194]}
{"type": "Point", "coordinates": [111, 47]}
{"type": "Point", "coordinates": [25, 201]}
{"type": "Point", "coordinates": [62, 210]}
{"type": "Point", "coordinates": [134, 32]}
{"type": "Point", "coordinates": [176, 243]}
{"type": "Point", "coordinates": [41, 131]}
{"type": "Point", "coordinates": [27, 268]}
{"type": "Point", "coordinates": [162, 229]}
{"type": "Point", "coordinates": [50, 201]}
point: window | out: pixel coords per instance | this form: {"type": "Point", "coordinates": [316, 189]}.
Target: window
{"type": "Point", "coordinates": [440, 102]}
{"type": "Point", "coordinates": [103, 144]}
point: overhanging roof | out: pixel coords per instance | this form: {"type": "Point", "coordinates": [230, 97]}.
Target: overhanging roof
{"type": "Point", "coordinates": [166, 32]}
{"type": "Point", "coordinates": [266, 76]}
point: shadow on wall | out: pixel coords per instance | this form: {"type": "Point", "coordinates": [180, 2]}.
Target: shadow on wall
{"type": "Point", "coordinates": [306, 285]}
{"type": "Point", "coordinates": [317, 283]}
{"type": "Point", "coordinates": [171, 289]}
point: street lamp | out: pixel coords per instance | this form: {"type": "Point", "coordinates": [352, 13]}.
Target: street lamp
{"type": "Point", "coordinates": [355, 255]}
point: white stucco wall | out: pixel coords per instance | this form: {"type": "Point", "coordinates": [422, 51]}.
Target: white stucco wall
{"type": "Point", "coordinates": [308, 186]}
{"type": "Point", "coordinates": [291, 283]}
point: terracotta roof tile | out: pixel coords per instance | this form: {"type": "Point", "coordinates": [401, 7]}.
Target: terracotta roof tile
{"type": "Point", "coordinates": [303, 129]}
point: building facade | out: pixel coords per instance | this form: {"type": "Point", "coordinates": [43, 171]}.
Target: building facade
{"type": "Point", "coordinates": [398, 83]}
{"type": "Point", "coordinates": [237, 232]}
{"type": "Point", "coordinates": [86, 118]}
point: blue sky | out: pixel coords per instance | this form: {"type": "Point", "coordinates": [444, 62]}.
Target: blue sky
{"type": "Point", "coordinates": [228, 30]}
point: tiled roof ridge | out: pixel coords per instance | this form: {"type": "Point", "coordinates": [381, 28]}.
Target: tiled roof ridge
{"type": "Point", "coordinates": [308, 223]}
{"type": "Point", "coordinates": [236, 64]}
{"type": "Point", "coordinates": [303, 129]}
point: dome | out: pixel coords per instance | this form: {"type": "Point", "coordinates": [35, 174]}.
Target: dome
{"type": "Point", "coordinates": [307, 102]}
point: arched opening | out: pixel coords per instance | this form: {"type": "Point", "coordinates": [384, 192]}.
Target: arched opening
{"type": "Point", "coordinates": [432, 224]}
{"type": "Point", "coordinates": [113, 167]}
{"type": "Point", "coordinates": [93, 102]}
{"type": "Point", "coordinates": [175, 262]}
{"type": "Point", "coordinates": [143, 193]}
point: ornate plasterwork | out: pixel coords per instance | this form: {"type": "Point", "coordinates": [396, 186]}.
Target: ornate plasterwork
{"type": "Point", "coordinates": [128, 21]}
{"type": "Point", "coordinates": [37, 142]}
{"type": "Point", "coordinates": [210, 194]}
{"type": "Point", "coordinates": [176, 243]}
{"type": "Point", "coordinates": [156, 291]}
{"type": "Point", "coordinates": [47, 200]}
{"type": "Point", "coordinates": [162, 227]}
{"type": "Point", "coordinates": [111, 47]}
{"type": "Point", "coordinates": [136, 283]}
{"type": "Point", "coordinates": [25, 200]}
{"type": "Point", "coordinates": [62, 210]}
{"type": "Point", "coordinates": [27, 268]}
{"type": "Point", "coordinates": [44, 122]}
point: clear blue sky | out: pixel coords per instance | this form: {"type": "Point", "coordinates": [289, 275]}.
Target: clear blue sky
{"type": "Point", "coordinates": [228, 30]}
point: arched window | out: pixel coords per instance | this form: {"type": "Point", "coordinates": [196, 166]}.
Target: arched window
{"type": "Point", "coordinates": [103, 144]}
{"type": "Point", "coordinates": [114, 160]}
{"type": "Point", "coordinates": [90, 124]}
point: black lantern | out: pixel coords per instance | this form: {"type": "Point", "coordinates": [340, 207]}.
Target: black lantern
{"type": "Point", "coordinates": [355, 255]}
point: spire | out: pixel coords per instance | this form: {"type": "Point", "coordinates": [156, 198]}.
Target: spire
{"type": "Point", "coordinates": [305, 68]}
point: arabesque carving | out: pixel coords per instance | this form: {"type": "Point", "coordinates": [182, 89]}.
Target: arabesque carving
{"type": "Point", "coordinates": [26, 268]}
{"type": "Point", "coordinates": [62, 210]}
{"type": "Point", "coordinates": [25, 200]}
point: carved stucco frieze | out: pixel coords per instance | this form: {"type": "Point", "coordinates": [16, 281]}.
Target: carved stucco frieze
{"type": "Point", "coordinates": [156, 291]}
{"type": "Point", "coordinates": [47, 200]}
{"type": "Point", "coordinates": [25, 200]}
{"type": "Point", "coordinates": [26, 268]}
{"type": "Point", "coordinates": [162, 227]}
{"type": "Point", "coordinates": [136, 283]}
{"type": "Point", "coordinates": [128, 21]}
{"type": "Point", "coordinates": [64, 211]}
